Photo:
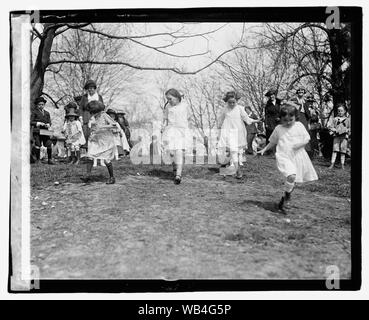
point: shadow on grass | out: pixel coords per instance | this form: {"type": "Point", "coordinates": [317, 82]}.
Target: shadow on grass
{"type": "Point", "coordinates": [94, 178]}
{"type": "Point", "coordinates": [214, 169]}
{"type": "Point", "coordinates": [162, 174]}
{"type": "Point", "coordinates": [266, 205]}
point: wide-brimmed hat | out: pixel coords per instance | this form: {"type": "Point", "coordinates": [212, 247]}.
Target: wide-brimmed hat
{"type": "Point", "coordinates": [271, 92]}
{"type": "Point", "coordinates": [95, 106]}
{"type": "Point", "coordinates": [300, 89]}
{"type": "Point", "coordinates": [70, 106]}
{"type": "Point", "coordinates": [110, 110]}
{"type": "Point", "coordinates": [40, 99]}
{"type": "Point", "coordinates": [90, 83]}
{"type": "Point", "coordinates": [71, 113]}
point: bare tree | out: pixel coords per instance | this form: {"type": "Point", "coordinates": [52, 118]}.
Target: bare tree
{"type": "Point", "coordinates": [49, 58]}
{"type": "Point", "coordinates": [204, 94]}
{"type": "Point", "coordinates": [66, 80]}
{"type": "Point", "coordinates": [253, 72]}
{"type": "Point", "coordinates": [321, 56]}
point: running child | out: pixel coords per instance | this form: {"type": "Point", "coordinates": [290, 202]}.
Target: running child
{"type": "Point", "coordinates": [293, 162]}
{"type": "Point", "coordinates": [175, 124]}
{"type": "Point", "coordinates": [233, 131]}
{"type": "Point", "coordinates": [101, 142]}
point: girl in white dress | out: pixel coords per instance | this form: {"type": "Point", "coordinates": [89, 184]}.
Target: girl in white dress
{"type": "Point", "coordinates": [293, 162]}
{"type": "Point", "coordinates": [233, 133]}
{"type": "Point", "coordinates": [101, 142]}
{"type": "Point", "coordinates": [75, 138]}
{"type": "Point", "coordinates": [175, 124]}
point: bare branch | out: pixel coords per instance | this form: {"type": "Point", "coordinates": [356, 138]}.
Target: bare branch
{"type": "Point", "coordinates": [176, 70]}
{"type": "Point", "coordinates": [71, 26]}
{"type": "Point", "coordinates": [52, 100]}
{"type": "Point", "coordinates": [109, 36]}
{"type": "Point", "coordinates": [170, 34]}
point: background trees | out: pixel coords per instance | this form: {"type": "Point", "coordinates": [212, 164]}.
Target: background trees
{"type": "Point", "coordinates": [121, 58]}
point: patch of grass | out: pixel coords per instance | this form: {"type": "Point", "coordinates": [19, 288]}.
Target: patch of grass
{"type": "Point", "coordinates": [257, 170]}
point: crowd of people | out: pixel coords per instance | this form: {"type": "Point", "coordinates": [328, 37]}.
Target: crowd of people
{"type": "Point", "coordinates": [291, 132]}
{"type": "Point", "coordinates": [103, 134]}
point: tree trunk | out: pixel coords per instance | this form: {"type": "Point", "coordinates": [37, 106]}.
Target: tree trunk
{"type": "Point", "coordinates": [339, 44]}
{"type": "Point", "coordinates": [42, 61]}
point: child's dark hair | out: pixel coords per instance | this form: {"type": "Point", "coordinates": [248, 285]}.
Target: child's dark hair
{"type": "Point", "coordinates": [230, 95]}
{"type": "Point", "coordinates": [341, 104]}
{"type": "Point", "coordinates": [175, 93]}
{"type": "Point", "coordinates": [288, 110]}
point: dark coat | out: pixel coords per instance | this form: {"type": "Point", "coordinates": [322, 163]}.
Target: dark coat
{"type": "Point", "coordinates": [38, 116]}
{"type": "Point", "coordinates": [272, 114]}
{"type": "Point", "coordinates": [83, 108]}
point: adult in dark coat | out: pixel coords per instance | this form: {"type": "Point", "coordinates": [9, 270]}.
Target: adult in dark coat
{"type": "Point", "coordinates": [272, 109]}
{"type": "Point", "coordinates": [123, 122]}
{"type": "Point", "coordinates": [40, 119]}
{"type": "Point", "coordinates": [84, 112]}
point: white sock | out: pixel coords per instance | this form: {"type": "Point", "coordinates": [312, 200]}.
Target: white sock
{"type": "Point", "coordinates": [288, 186]}
{"type": "Point", "coordinates": [343, 156]}
{"type": "Point", "coordinates": [334, 155]}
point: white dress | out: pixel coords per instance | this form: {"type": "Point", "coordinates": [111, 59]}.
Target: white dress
{"type": "Point", "coordinates": [290, 161]}
{"type": "Point", "coordinates": [101, 143]}
{"type": "Point", "coordinates": [233, 132]}
{"type": "Point", "coordinates": [74, 133]}
{"type": "Point", "coordinates": [175, 135]}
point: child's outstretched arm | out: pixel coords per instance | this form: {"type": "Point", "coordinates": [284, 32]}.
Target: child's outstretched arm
{"type": "Point", "coordinates": [269, 146]}
{"type": "Point", "coordinates": [221, 119]}
{"type": "Point", "coordinates": [164, 122]}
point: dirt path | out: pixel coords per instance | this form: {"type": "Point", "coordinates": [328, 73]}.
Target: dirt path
{"type": "Point", "coordinates": [145, 227]}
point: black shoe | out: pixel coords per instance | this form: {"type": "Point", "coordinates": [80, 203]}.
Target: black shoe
{"type": "Point", "coordinates": [287, 195]}
{"type": "Point", "coordinates": [280, 204]}
{"type": "Point", "coordinates": [177, 179]}
{"type": "Point", "coordinates": [70, 160]}
{"type": "Point", "coordinates": [111, 180]}
{"type": "Point", "coordinates": [50, 162]}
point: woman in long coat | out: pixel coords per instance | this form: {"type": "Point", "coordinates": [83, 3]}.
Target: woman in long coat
{"type": "Point", "coordinates": [84, 112]}
{"type": "Point", "coordinates": [272, 109]}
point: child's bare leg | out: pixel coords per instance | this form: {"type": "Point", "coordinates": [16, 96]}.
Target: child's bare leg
{"type": "Point", "coordinates": [343, 156]}
{"type": "Point", "coordinates": [172, 159]}
{"type": "Point", "coordinates": [333, 160]}
{"type": "Point", "coordinates": [178, 160]}
{"type": "Point", "coordinates": [235, 160]}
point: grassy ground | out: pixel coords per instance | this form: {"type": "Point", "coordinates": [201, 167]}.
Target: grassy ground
{"type": "Point", "coordinates": [208, 227]}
